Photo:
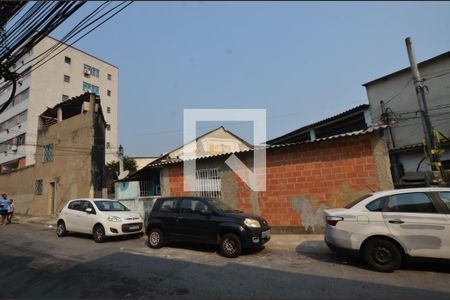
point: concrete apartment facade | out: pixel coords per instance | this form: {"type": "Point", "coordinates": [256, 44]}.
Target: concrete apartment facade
{"type": "Point", "coordinates": [67, 75]}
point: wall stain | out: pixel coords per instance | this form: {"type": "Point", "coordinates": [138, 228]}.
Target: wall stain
{"type": "Point", "coordinates": [310, 219]}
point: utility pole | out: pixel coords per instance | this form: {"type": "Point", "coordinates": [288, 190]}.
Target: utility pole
{"type": "Point", "coordinates": [426, 122]}
{"type": "Point", "coordinates": [120, 154]}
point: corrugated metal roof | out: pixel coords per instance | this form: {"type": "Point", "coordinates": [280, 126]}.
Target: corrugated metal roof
{"type": "Point", "coordinates": [334, 118]}
{"type": "Point", "coordinates": [342, 135]}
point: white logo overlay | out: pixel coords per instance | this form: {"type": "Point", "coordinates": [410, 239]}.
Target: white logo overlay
{"type": "Point", "coordinates": [256, 178]}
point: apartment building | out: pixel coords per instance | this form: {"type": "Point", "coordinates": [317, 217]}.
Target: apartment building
{"type": "Point", "coordinates": [69, 74]}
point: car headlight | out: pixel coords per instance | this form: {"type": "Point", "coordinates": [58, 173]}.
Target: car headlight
{"type": "Point", "coordinates": [252, 223]}
{"type": "Point", "coordinates": [114, 219]}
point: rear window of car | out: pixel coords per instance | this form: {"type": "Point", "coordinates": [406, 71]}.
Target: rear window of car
{"type": "Point", "coordinates": [376, 205]}
{"type": "Point", "coordinates": [445, 197]}
{"type": "Point", "coordinates": [357, 200]}
{"type": "Point", "coordinates": [76, 205]}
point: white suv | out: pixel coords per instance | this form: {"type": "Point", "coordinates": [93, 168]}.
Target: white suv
{"type": "Point", "coordinates": [385, 227]}
{"type": "Point", "coordinates": [100, 217]}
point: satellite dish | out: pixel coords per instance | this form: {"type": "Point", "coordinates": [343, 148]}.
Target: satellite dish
{"type": "Point", "coordinates": [123, 174]}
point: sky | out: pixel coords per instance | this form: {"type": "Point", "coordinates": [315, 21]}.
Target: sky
{"type": "Point", "coordinates": [301, 61]}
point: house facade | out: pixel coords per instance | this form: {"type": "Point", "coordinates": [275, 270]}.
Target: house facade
{"type": "Point", "coordinates": [393, 101]}
{"type": "Point", "coordinates": [69, 159]}
{"type": "Point", "coordinates": [304, 175]}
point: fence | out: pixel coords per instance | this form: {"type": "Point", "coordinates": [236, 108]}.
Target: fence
{"type": "Point", "coordinates": [142, 205]}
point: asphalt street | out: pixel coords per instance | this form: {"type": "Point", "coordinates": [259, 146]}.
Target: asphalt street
{"type": "Point", "coordinates": [35, 263]}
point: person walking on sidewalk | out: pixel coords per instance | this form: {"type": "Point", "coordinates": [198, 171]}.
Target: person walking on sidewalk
{"type": "Point", "coordinates": [11, 207]}
{"type": "Point", "coordinates": [4, 204]}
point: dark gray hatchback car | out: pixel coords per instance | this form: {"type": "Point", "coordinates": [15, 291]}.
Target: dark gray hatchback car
{"type": "Point", "coordinates": [207, 221]}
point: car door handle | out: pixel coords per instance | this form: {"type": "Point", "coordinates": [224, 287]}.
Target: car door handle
{"type": "Point", "coordinates": [396, 221]}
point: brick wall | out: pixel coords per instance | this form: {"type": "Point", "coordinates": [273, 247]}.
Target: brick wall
{"type": "Point", "coordinates": [304, 180]}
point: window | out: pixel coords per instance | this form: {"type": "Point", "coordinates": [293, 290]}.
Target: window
{"type": "Point", "coordinates": [86, 204]}
{"type": "Point", "coordinates": [48, 153]}
{"type": "Point", "coordinates": [67, 60]}
{"type": "Point", "coordinates": [108, 145]}
{"type": "Point", "coordinates": [376, 205]}
{"type": "Point", "coordinates": [193, 206]}
{"type": "Point", "coordinates": [64, 98]}
{"type": "Point", "coordinates": [108, 92]}
{"type": "Point", "coordinates": [108, 127]}
{"type": "Point", "coordinates": [14, 121]}
{"type": "Point", "coordinates": [87, 87]}
{"type": "Point", "coordinates": [38, 187]}
{"type": "Point", "coordinates": [109, 77]}
{"type": "Point", "coordinates": [445, 197]}
{"type": "Point", "coordinates": [169, 205]}
{"type": "Point", "coordinates": [208, 183]}
{"type": "Point", "coordinates": [411, 203]}
{"type": "Point", "coordinates": [108, 110]}
{"type": "Point", "coordinates": [91, 71]}
{"type": "Point", "coordinates": [110, 206]}
{"type": "Point", "coordinates": [76, 205]}
{"type": "Point", "coordinates": [66, 78]}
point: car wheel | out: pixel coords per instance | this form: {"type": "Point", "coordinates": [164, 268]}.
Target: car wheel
{"type": "Point", "coordinates": [382, 255]}
{"type": "Point", "coordinates": [230, 245]}
{"type": "Point", "coordinates": [61, 229]}
{"type": "Point", "coordinates": [155, 238]}
{"type": "Point", "coordinates": [99, 234]}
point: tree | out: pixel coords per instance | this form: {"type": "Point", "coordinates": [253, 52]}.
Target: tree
{"type": "Point", "coordinates": [128, 164]}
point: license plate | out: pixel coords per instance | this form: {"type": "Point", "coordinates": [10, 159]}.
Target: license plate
{"type": "Point", "coordinates": [133, 227]}
{"type": "Point", "coordinates": [265, 234]}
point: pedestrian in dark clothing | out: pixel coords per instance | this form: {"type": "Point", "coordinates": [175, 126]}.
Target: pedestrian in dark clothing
{"type": "Point", "coordinates": [4, 205]}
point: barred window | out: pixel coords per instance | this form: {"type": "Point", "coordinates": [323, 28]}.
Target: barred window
{"type": "Point", "coordinates": [48, 153]}
{"type": "Point", "coordinates": [208, 183]}
{"type": "Point", "coordinates": [39, 187]}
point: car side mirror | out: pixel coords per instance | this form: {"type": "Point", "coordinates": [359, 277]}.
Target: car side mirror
{"type": "Point", "coordinates": [88, 210]}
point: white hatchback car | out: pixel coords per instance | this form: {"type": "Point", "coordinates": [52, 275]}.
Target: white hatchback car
{"type": "Point", "coordinates": [389, 226]}
{"type": "Point", "coordinates": [99, 217]}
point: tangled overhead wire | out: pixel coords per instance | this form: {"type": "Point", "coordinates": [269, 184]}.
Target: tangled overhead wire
{"type": "Point", "coordinates": [7, 76]}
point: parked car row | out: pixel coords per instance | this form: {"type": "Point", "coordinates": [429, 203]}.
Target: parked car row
{"type": "Point", "coordinates": [383, 228]}
{"type": "Point", "coordinates": [191, 219]}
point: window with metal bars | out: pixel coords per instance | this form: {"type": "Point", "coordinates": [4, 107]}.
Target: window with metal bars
{"type": "Point", "coordinates": [48, 153]}
{"type": "Point", "coordinates": [208, 183]}
{"type": "Point", "coordinates": [39, 187]}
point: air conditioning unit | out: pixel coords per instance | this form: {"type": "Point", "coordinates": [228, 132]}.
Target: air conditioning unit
{"type": "Point", "coordinates": [14, 148]}
{"type": "Point", "coordinates": [85, 106]}
{"type": "Point", "coordinates": [87, 72]}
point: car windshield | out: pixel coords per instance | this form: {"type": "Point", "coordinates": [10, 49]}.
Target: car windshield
{"type": "Point", "coordinates": [359, 199]}
{"type": "Point", "coordinates": [110, 206]}
{"type": "Point", "coordinates": [221, 206]}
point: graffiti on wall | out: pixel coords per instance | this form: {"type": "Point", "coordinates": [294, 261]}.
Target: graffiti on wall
{"type": "Point", "coordinates": [310, 217]}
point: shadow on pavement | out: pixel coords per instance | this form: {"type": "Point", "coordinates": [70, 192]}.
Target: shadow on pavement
{"type": "Point", "coordinates": [109, 240]}
{"type": "Point", "coordinates": [318, 250]}
{"type": "Point", "coordinates": [125, 275]}
{"type": "Point", "coordinates": [207, 248]}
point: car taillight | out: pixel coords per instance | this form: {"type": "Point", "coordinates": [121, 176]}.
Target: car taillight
{"type": "Point", "coordinates": [332, 220]}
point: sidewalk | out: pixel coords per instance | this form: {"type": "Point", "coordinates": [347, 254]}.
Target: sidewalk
{"type": "Point", "coordinates": [50, 222]}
